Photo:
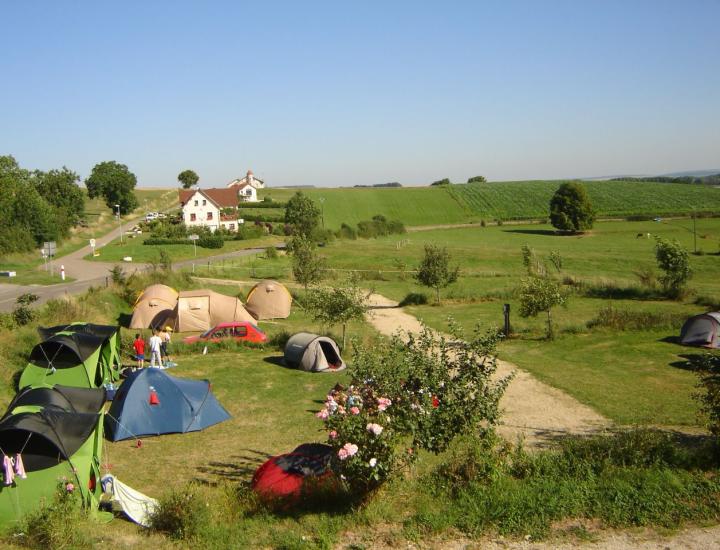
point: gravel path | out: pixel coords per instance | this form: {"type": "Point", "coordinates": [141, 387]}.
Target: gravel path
{"type": "Point", "coordinates": [532, 410]}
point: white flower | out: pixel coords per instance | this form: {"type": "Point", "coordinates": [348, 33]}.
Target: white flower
{"type": "Point", "coordinates": [373, 462]}
{"type": "Point", "coordinates": [375, 429]}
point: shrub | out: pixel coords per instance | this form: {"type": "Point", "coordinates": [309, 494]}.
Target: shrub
{"type": "Point", "coordinates": [211, 241]}
{"type": "Point", "coordinates": [23, 314]}
{"type": "Point", "coordinates": [271, 253]}
{"type": "Point", "coordinates": [674, 261]}
{"type": "Point", "coordinates": [416, 393]}
{"type": "Point", "coordinates": [379, 226]}
{"type": "Point", "coordinates": [621, 319]}
{"type": "Point", "coordinates": [414, 299]}
{"type": "Point", "coordinates": [58, 526]}
{"type": "Point", "coordinates": [182, 514]}
{"type": "Point", "coordinates": [346, 232]}
{"type": "Point", "coordinates": [707, 367]}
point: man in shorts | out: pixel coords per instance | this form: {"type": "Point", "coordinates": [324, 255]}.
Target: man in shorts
{"type": "Point", "coordinates": [139, 347]}
{"type": "Point", "coordinates": [155, 343]}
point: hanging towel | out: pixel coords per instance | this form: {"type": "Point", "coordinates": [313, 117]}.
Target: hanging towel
{"type": "Point", "coordinates": [8, 473]}
{"type": "Point", "coordinates": [137, 506]}
{"type": "Point", "coordinates": [20, 467]}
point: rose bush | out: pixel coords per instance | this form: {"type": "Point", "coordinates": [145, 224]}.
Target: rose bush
{"type": "Point", "coordinates": [406, 395]}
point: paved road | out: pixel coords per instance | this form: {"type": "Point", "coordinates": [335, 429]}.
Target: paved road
{"type": "Point", "coordinates": [87, 274]}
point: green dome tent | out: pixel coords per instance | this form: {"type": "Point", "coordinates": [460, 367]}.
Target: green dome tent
{"type": "Point", "coordinates": [81, 355]}
{"type": "Point", "coordinates": [58, 432]}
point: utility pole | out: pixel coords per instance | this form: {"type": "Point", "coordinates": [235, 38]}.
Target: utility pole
{"type": "Point", "coordinates": [119, 223]}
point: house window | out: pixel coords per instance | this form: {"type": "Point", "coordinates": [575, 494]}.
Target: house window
{"type": "Point", "coordinates": [232, 227]}
{"type": "Point", "coordinates": [196, 203]}
{"type": "Point", "coordinates": [192, 217]}
{"type": "Point", "coordinates": [248, 192]}
{"type": "Point", "coordinates": [209, 216]}
{"type": "Point", "coordinates": [204, 202]}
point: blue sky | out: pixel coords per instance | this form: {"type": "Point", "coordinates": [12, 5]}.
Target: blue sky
{"type": "Point", "coordinates": [345, 93]}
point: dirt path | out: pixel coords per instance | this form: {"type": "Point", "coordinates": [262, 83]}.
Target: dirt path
{"type": "Point", "coordinates": [531, 409]}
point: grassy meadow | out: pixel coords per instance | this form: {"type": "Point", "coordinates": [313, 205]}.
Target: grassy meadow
{"type": "Point", "coordinates": [468, 203]}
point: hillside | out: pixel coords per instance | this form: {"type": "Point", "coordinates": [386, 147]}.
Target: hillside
{"type": "Point", "coordinates": [463, 203]}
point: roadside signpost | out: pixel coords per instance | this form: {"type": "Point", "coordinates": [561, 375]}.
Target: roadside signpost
{"type": "Point", "coordinates": [194, 237]}
{"type": "Point", "coordinates": [49, 250]}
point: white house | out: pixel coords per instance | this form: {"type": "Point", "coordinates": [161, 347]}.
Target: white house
{"type": "Point", "coordinates": [211, 208]}
{"type": "Point", "coordinates": [249, 179]}
{"type": "Point", "coordinates": [246, 192]}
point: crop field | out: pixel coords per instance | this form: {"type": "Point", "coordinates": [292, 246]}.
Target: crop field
{"type": "Point", "coordinates": [466, 203]}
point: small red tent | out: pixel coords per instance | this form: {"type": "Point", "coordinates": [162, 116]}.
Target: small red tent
{"type": "Point", "coordinates": [286, 476]}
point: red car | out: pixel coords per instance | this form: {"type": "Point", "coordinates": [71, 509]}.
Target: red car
{"type": "Point", "coordinates": [239, 331]}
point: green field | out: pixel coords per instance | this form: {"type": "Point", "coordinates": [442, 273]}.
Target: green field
{"type": "Point", "coordinates": [466, 203]}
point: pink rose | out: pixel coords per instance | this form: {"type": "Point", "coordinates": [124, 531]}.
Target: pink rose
{"type": "Point", "coordinates": [351, 448]}
{"type": "Point", "coordinates": [375, 429]}
{"type": "Point", "coordinates": [341, 409]}
{"type": "Point", "coordinates": [354, 410]}
{"type": "Point", "coordinates": [323, 414]}
{"type": "Point", "coordinates": [333, 434]}
{"type": "Point", "coordinates": [342, 454]}
{"type": "Point", "coordinates": [383, 403]}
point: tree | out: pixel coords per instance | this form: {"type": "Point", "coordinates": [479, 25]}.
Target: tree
{"type": "Point", "coordinates": [477, 179]}
{"type": "Point", "coordinates": [337, 305]}
{"type": "Point", "coordinates": [674, 261]}
{"type": "Point", "coordinates": [188, 178]}
{"type": "Point", "coordinates": [435, 271]}
{"type": "Point", "coordinates": [307, 265]}
{"type": "Point", "coordinates": [60, 188]}
{"type": "Point", "coordinates": [540, 294]}
{"type": "Point", "coordinates": [115, 183]}
{"type": "Point", "coordinates": [303, 214]}
{"type": "Point", "coordinates": [570, 208]}
{"type": "Point", "coordinates": [445, 181]}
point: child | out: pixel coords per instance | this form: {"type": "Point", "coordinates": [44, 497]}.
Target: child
{"type": "Point", "coordinates": [165, 336]}
{"type": "Point", "coordinates": [139, 346]}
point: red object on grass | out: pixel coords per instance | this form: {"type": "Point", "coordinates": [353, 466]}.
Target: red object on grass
{"type": "Point", "coordinates": [138, 443]}
{"type": "Point", "coordinates": [283, 477]}
{"type": "Point", "coordinates": [435, 402]}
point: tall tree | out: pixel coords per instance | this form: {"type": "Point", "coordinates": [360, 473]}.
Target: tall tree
{"type": "Point", "coordinates": [60, 188]}
{"type": "Point", "coordinates": [115, 183]}
{"type": "Point", "coordinates": [571, 209]}
{"type": "Point", "coordinates": [435, 271]}
{"type": "Point", "coordinates": [188, 178]}
{"type": "Point", "coordinates": [477, 179]}
{"type": "Point", "coordinates": [303, 214]}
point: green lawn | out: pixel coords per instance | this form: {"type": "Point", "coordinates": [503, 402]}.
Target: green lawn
{"type": "Point", "coordinates": [133, 246]}
{"type": "Point", "coordinates": [464, 203]}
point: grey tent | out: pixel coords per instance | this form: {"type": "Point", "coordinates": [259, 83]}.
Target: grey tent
{"type": "Point", "coordinates": [313, 353]}
{"type": "Point", "coordinates": [702, 330]}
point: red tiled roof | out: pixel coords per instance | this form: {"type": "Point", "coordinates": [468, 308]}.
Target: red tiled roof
{"type": "Point", "coordinates": [222, 198]}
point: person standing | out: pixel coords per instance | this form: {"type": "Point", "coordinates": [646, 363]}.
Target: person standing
{"type": "Point", "coordinates": [155, 345]}
{"type": "Point", "coordinates": [139, 347]}
{"type": "Point", "coordinates": [165, 336]}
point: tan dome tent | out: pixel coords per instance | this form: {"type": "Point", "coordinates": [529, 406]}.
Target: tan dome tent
{"type": "Point", "coordinates": [200, 310]}
{"type": "Point", "coordinates": [702, 330]}
{"type": "Point", "coordinates": [269, 300]}
{"type": "Point", "coordinates": [154, 307]}
{"type": "Point", "coordinates": [313, 353]}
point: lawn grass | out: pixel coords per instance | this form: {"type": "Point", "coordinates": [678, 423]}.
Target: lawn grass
{"type": "Point", "coordinates": [133, 247]}
{"type": "Point", "coordinates": [466, 203]}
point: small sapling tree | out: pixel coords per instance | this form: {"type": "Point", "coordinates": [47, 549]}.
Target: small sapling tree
{"type": "Point", "coordinates": [674, 261]}
{"type": "Point", "coordinates": [540, 294]}
{"type": "Point", "coordinates": [307, 265]}
{"type": "Point", "coordinates": [435, 271]}
{"type": "Point", "coordinates": [338, 305]}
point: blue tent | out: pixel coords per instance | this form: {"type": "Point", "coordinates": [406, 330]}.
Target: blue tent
{"type": "Point", "coordinates": [151, 402]}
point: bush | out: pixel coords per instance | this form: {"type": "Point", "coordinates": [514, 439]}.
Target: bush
{"type": "Point", "coordinates": [271, 253]}
{"type": "Point", "coordinates": [211, 241]}
{"type": "Point", "coordinates": [346, 232]}
{"type": "Point", "coordinates": [23, 314]}
{"type": "Point", "coordinates": [182, 514]}
{"type": "Point", "coordinates": [621, 319]}
{"type": "Point", "coordinates": [414, 299]}
{"type": "Point", "coordinates": [379, 226]}
{"type": "Point", "coordinates": [707, 367]}
{"type": "Point", "coordinates": [406, 397]}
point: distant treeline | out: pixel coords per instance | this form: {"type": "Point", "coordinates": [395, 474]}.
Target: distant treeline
{"type": "Point", "coordinates": [391, 184]}
{"type": "Point", "coordinates": [713, 179]}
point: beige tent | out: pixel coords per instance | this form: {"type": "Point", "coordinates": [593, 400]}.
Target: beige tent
{"type": "Point", "coordinates": [200, 310]}
{"type": "Point", "coordinates": [154, 306]}
{"type": "Point", "coordinates": [269, 300]}
{"type": "Point", "coordinates": [313, 353]}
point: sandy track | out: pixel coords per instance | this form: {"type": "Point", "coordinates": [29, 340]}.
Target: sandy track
{"type": "Point", "coordinates": [532, 410]}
